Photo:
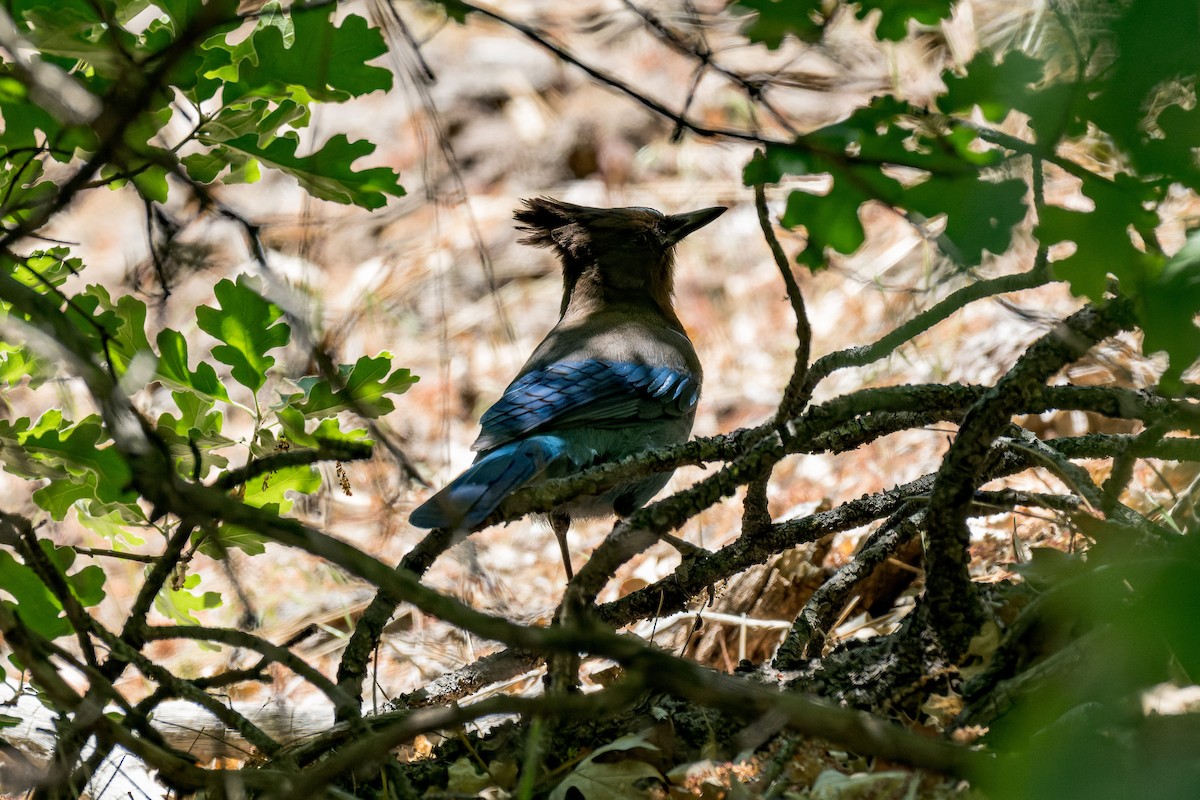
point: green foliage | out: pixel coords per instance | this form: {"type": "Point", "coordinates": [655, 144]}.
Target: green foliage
{"type": "Point", "coordinates": [27, 594]}
{"type": "Point", "coordinates": [1120, 91]}
{"type": "Point", "coordinates": [1071, 734]}
{"type": "Point", "coordinates": [1140, 102]}
{"type": "Point", "coordinates": [771, 21]}
{"type": "Point", "coordinates": [248, 326]}
{"type": "Point", "coordinates": [953, 180]}
{"type": "Point", "coordinates": [326, 173]}
{"type": "Point", "coordinates": [1167, 309]}
{"type": "Point", "coordinates": [1014, 83]}
{"type": "Point", "coordinates": [173, 369]}
{"type": "Point", "coordinates": [244, 87]}
{"type": "Point", "coordinates": [196, 94]}
{"type": "Point", "coordinates": [86, 473]}
{"type": "Point", "coordinates": [305, 55]}
{"type": "Point", "coordinates": [180, 603]}
{"type": "Point", "coordinates": [894, 15]}
{"type": "Point", "coordinates": [76, 458]}
{"type": "Point", "coordinates": [365, 388]}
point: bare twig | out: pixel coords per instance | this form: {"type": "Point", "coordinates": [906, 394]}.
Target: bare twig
{"type": "Point", "coordinates": [798, 389]}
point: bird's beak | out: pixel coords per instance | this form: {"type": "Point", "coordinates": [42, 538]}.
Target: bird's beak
{"type": "Point", "coordinates": [680, 225]}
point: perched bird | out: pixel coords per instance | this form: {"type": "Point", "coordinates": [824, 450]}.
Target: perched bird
{"type": "Point", "coordinates": [616, 375]}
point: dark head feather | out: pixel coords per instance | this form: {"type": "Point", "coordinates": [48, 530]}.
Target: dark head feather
{"type": "Point", "coordinates": [553, 223]}
{"type": "Point", "coordinates": [620, 253]}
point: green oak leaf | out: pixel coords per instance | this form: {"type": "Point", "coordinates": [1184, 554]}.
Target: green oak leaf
{"type": "Point", "coordinates": [124, 323]}
{"type": "Point", "coordinates": [78, 449]}
{"type": "Point", "coordinates": [76, 29]}
{"type": "Point", "coordinates": [831, 221]}
{"type": "Point", "coordinates": [1103, 244]}
{"type": "Point", "coordinates": [59, 496]}
{"type": "Point", "coordinates": [307, 50]}
{"type": "Point", "coordinates": [365, 390]}
{"type": "Point", "coordinates": [456, 10]}
{"type": "Point", "coordinates": [1167, 308]}
{"type": "Point", "coordinates": [196, 429]}
{"type": "Point", "coordinates": [182, 604]}
{"type": "Point", "coordinates": [51, 267]}
{"type": "Point", "coordinates": [173, 367]}
{"type": "Point", "coordinates": [227, 537]}
{"type": "Point", "coordinates": [1018, 82]}
{"type": "Point", "coordinates": [980, 214]}
{"type": "Point", "coordinates": [292, 422]}
{"type": "Point", "coordinates": [23, 192]}
{"type": "Point", "coordinates": [117, 525]}
{"type": "Point", "coordinates": [259, 116]}
{"type": "Point", "coordinates": [330, 431]}
{"type": "Point", "coordinates": [182, 445]}
{"type": "Point", "coordinates": [150, 180]}
{"type": "Point", "coordinates": [248, 326]}
{"type": "Point", "coordinates": [994, 87]}
{"type": "Point", "coordinates": [196, 414]}
{"type": "Point", "coordinates": [207, 166]}
{"type": "Point", "coordinates": [1155, 47]}
{"type": "Point", "coordinates": [326, 173]}
{"type": "Point", "coordinates": [895, 14]}
{"type": "Point", "coordinates": [182, 13]}
{"type": "Point", "coordinates": [33, 601]}
{"type": "Point", "coordinates": [771, 21]}
{"type": "Point", "coordinates": [17, 364]}
{"type": "Point", "coordinates": [1172, 151]}
{"type": "Point", "coordinates": [271, 489]}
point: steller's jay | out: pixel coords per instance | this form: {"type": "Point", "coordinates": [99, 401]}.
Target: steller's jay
{"type": "Point", "coordinates": [616, 375]}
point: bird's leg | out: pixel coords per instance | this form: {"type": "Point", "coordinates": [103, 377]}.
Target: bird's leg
{"type": "Point", "coordinates": [562, 669]}
{"type": "Point", "coordinates": [560, 523]}
{"type": "Point", "coordinates": [685, 549]}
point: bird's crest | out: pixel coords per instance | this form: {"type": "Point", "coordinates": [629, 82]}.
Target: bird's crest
{"type": "Point", "coordinates": [553, 223]}
{"type": "Point", "coordinates": [611, 254]}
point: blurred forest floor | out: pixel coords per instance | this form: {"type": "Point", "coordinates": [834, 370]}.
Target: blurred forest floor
{"type": "Point", "coordinates": [438, 279]}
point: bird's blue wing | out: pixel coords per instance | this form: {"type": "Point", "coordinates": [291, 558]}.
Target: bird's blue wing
{"type": "Point", "coordinates": [471, 497]}
{"type": "Point", "coordinates": [595, 392]}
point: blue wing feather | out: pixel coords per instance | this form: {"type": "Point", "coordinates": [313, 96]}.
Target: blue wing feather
{"type": "Point", "coordinates": [471, 497]}
{"type": "Point", "coordinates": [520, 440]}
{"type": "Point", "coordinates": [595, 392]}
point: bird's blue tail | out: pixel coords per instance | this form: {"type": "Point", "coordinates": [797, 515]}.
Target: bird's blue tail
{"type": "Point", "coordinates": [471, 497]}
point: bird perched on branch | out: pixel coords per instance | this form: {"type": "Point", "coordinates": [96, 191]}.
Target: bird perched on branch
{"type": "Point", "coordinates": [616, 375]}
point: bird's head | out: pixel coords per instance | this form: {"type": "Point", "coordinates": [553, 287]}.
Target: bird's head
{"type": "Point", "coordinates": [612, 254]}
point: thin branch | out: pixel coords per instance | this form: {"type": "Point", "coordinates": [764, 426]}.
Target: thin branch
{"type": "Point", "coordinates": [798, 390]}
{"type": "Point", "coordinates": [249, 641]}
{"type": "Point", "coordinates": [753, 90]}
{"type": "Point", "coordinates": [177, 769]}
{"type": "Point", "coordinates": [326, 451]}
{"type": "Point", "coordinates": [604, 78]}
{"type": "Point", "coordinates": [807, 635]}
{"type": "Point", "coordinates": [865, 354]}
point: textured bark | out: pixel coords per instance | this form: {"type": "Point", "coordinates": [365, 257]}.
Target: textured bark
{"type": "Point", "coordinates": [950, 595]}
